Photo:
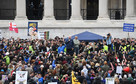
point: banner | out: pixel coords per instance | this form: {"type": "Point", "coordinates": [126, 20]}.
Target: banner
{"type": "Point", "coordinates": [110, 81]}
{"type": "Point", "coordinates": [128, 27]}
{"type": "Point", "coordinates": [21, 77]}
{"type": "Point", "coordinates": [74, 79]}
{"type": "Point", "coordinates": [32, 28]}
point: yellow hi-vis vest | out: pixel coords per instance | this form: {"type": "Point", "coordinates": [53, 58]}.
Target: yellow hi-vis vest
{"type": "Point", "coordinates": [105, 48]}
{"type": "Point", "coordinates": [89, 52]}
{"type": "Point", "coordinates": [123, 48]}
{"type": "Point", "coordinates": [113, 47]}
{"type": "Point", "coordinates": [132, 48]}
{"type": "Point", "coordinates": [65, 50]}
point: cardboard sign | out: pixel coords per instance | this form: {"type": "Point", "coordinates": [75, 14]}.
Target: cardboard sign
{"type": "Point", "coordinates": [21, 77]}
{"type": "Point", "coordinates": [4, 78]}
{"type": "Point", "coordinates": [110, 81]}
{"type": "Point", "coordinates": [40, 35]}
{"type": "Point", "coordinates": [119, 69]}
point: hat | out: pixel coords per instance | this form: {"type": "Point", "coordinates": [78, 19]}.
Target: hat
{"type": "Point", "coordinates": [2, 70]}
{"type": "Point", "coordinates": [115, 76]}
{"type": "Point", "coordinates": [60, 55]}
{"type": "Point", "coordinates": [125, 76]}
{"type": "Point", "coordinates": [120, 77]}
{"type": "Point", "coordinates": [97, 64]}
{"type": "Point", "coordinates": [129, 75]}
{"type": "Point", "coordinates": [7, 53]}
{"type": "Point", "coordinates": [41, 66]}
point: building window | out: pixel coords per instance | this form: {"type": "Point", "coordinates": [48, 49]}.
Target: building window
{"type": "Point", "coordinates": [34, 9]}
{"type": "Point", "coordinates": [62, 9]}
{"type": "Point", "coordinates": [89, 9]}
{"type": "Point", "coordinates": [7, 9]}
{"type": "Point", "coordinates": [117, 9]}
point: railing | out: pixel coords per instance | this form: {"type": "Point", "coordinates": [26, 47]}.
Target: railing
{"type": "Point", "coordinates": [62, 14]}
{"type": "Point", "coordinates": [89, 14]}
{"type": "Point", "coordinates": [117, 14]}
{"type": "Point", "coordinates": [7, 14]}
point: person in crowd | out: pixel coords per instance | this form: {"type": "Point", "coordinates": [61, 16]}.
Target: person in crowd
{"type": "Point", "coordinates": [69, 46]}
{"type": "Point", "coordinates": [61, 48]}
{"type": "Point", "coordinates": [109, 41]}
{"type": "Point", "coordinates": [76, 45]}
{"type": "Point", "coordinates": [46, 60]}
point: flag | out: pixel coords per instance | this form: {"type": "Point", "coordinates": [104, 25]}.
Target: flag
{"type": "Point", "coordinates": [16, 30]}
{"type": "Point", "coordinates": [74, 79]}
{"type": "Point", "coordinates": [46, 35]}
{"type": "Point", "coordinates": [12, 27]}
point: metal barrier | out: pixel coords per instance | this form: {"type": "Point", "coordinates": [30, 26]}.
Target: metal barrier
{"type": "Point", "coordinates": [62, 14]}
{"type": "Point", "coordinates": [7, 14]}
{"type": "Point", "coordinates": [117, 14]}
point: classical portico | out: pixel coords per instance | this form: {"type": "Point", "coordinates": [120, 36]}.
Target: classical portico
{"type": "Point", "coordinates": [68, 17]}
{"type": "Point", "coordinates": [76, 9]}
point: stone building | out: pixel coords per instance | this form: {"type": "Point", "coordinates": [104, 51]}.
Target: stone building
{"type": "Point", "coordinates": [68, 17]}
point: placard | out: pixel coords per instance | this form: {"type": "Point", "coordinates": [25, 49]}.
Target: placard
{"type": "Point", "coordinates": [52, 83]}
{"type": "Point", "coordinates": [32, 28]}
{"type": "Point", "coordinates": [128, 27]}
{"type": "Point", "coordinates": [109, 80]}
{"type": "Point", "coordinates": [119, 69]}
{"type": "Point", "coordinates": [40, 35]}
{"type": "Point", "coordinates": [21, 77]}
{"type": "Point", "coordinates": [4, 78]}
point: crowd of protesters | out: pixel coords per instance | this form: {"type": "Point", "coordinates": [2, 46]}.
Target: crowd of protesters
{"type": "Point", "coordinates": [53, 60]}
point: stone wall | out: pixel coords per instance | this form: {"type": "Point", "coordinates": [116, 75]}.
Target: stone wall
{"type": "Point", "coordinates": [115, 32]}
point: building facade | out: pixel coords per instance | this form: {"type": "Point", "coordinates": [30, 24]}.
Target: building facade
{"type": "Point", "coordinates": [68, 17]}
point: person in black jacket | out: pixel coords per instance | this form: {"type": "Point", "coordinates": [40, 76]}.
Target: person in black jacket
{"type": "Point", "coordinates": [81, 78]}
{"type": "Point", "coordinates": [70, 46]}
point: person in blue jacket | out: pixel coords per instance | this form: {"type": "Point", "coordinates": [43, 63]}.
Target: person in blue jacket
{"type": "Point", "coordinates": [26, 59]}
{"type": "Point", "coordinates": [40, 80]}
{"type": "Point", "coordinates": [61, 48]}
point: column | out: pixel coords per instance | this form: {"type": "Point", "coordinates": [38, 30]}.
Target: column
{"type": "Point", "coordinates": [48, 10]}
{"type": "Point", "coordinates": [103, 10]}
{"type": "Point", "coordinates": [130, 10]}
{"type": "Point", "coordinates": [76, 14]}
{"type": "Point", "coordinates": [21, 9]}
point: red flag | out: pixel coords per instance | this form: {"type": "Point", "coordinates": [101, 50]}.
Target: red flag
{"type": "Point", "coordinates": [16, 30]}
{"type": "Point", "coordinates": [10, 27]}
